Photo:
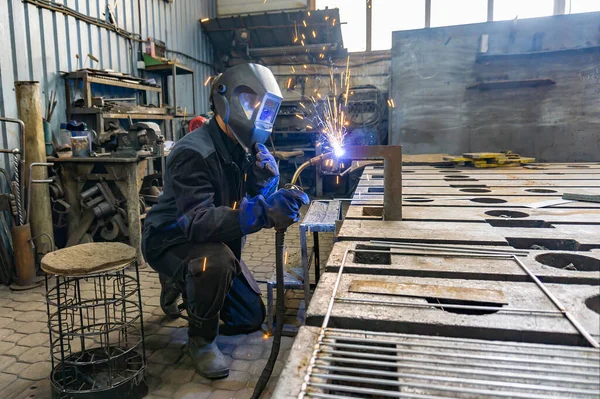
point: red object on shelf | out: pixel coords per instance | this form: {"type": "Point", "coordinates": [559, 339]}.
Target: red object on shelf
{"type": "Point", "coordinates": [196, 122]}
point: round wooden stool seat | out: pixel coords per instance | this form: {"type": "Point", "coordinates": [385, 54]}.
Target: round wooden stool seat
{"type": "Point", "coordinates": [92, 258]}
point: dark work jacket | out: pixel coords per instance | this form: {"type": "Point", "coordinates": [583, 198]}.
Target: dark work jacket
{"type": "Point", "coordinates": [204, 182]}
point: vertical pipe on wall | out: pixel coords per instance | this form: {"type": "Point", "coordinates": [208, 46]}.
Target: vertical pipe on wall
{"type": "Point", "coordinates": [490, 11]}
{"type": "Point", "coordinates": [427, 13]}
{"type": "Point", "coordinates": [30, 112]}
{"type": "Point", "coordinates": [369, 25]}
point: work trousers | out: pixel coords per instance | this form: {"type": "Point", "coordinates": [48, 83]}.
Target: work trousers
{"type": "Point", "coordinates": [209, 277]}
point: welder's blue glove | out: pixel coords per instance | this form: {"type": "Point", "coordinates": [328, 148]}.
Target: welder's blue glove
{"type": "Point", "coordinates": [264, 176]}
{"type": "Point", "coordinates": [280, 210]}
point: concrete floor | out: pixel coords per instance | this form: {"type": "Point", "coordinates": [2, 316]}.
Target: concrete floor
{"type": "Point", "coordinates": [24, 348]}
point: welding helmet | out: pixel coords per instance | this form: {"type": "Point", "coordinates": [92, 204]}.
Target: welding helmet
{"type": "Point", "coordinates": [247, 98]}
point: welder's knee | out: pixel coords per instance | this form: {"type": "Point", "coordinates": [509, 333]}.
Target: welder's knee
{"type": "Point", "coordinates": [213, 259]}
{"type": "Point", "coordinates": [212, 267]}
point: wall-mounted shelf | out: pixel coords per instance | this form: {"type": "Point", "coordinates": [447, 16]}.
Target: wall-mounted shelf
{"type": "Point", "coordinates": [510, 84]}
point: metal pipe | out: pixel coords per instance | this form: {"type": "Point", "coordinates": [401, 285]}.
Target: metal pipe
{"type": "Point", "coordinates": [456, 380]}
{"type": "Point", "coordinates": [31, 180]}
{"type": "Point", "coordinates": [448, 306]}
{"type": "Point", "coordinates": [463, 346]}
{"type": "Point", "coordinates": [21, 135]}
{"type": "Point", "coordinates": [365, 348]}
{"type": "Point", "coordinates": [559, 305]}
{"type": "Point", "coordinates": [19, 161]}
{"type": "Point", "coordinates": [453, 248]}
{"type": "Point", "coordinates": [458, 367]}
{"type": "Point", "coordinates": [313, 358]}
{"type": "Point", "coordinates": [362, 355]}
{"type": "Point", "coordinates": [311, 162]}
{"type": "Point", "coordinates": [435, 387]}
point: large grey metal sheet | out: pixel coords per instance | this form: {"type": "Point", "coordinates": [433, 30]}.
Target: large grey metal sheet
{"type": "Point", "coordinates": [584, 269]}
{"type": "Point", "coordinates": [417, 316]}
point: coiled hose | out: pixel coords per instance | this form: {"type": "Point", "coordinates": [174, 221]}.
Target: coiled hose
{"type": "Point", "coordinates": [279, 314]}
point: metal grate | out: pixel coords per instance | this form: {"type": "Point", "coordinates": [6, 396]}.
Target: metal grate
{"type": "Point", "coordinates": [375, 365]}
{"type": "Point", "coordinates": [362, 364]}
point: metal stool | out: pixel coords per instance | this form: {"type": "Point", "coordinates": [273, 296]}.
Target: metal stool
{"type": "Point", "coordinates": [322, 216]}
{"type": "Point", "coordinates": [95, 322]}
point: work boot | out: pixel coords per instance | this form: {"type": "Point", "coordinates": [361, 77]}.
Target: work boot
{"type": "Point", "coordinates": [202, 346]}
{"type": "Point", "coordinates": [169, 295]}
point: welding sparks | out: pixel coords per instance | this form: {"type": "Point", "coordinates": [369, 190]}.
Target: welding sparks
{"type": "Point", "coordinates": [289, 83]}
{"type": "Point", "coordinates": [234, 205]}
{"type": "Point", "coordinates": [304, 23]}
{"type": "Point", "coordinates": [299, 116]}
{"type": "Point", "coordinates": [207, 81]}
{"type": "Point", "coordinates": [204, 265]}
{"type": "Point", "coordinates": [391, 103]}
{"type": "Point", "coordinates": [205, 20]}
{"type": "Point", "coordinates": [302, 105]}
{"type": "Point", "coordinates": [303, 37]}
{"type": "Point", "coordinates": [302, 42]}
{"type": "Point", "coordinates": [293, 69]}
{"type": "Point", "coordinates": [309, 13]}
{"type": "Point", "coordinates": [337, 179]}
{"type": "Point", "coordinates": [314, 34]}
{"type": "Point", "coordinates": [285, 258]}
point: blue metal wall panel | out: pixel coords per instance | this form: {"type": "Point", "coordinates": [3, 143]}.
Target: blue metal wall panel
{"type": "Point", "coordinates": [39, 44]}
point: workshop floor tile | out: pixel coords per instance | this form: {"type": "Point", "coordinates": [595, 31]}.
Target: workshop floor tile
{"type": "Point", "coordinates": [25, 355]}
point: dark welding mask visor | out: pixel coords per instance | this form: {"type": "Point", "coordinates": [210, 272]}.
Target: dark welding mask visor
{"type": "Point", "coordinates": [247, 97]}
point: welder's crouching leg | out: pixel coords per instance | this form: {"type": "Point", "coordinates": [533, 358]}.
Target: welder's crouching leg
{"type": "Point", "coordinates": [210, 274]}
{"type": "Point", "coordinates": [244, 310]}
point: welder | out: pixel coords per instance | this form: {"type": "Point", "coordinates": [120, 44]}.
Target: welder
{"type": "Point", "coordinates": [220, 184]}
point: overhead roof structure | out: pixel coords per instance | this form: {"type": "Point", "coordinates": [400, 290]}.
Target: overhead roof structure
{"type": "Point", "coordinates": [286, 32]}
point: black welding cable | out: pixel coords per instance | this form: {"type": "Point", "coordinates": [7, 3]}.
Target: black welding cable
{"type": "Point", "coordinates": [279, 312]}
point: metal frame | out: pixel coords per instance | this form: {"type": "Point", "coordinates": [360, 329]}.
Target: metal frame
{"type": "Point", "coordinates": [97, 346]}
{"type": "Point", "coordinates": [323, 222]}
{"type": "Point", "coordinates": [318, 373]}
{"type": "Point", "coordinates": [392, 174]}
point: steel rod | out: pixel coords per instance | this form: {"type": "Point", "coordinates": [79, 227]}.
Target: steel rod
{"type": "Point", "coordinates": [455, 380]}
{"type": "Point", "coordinates": [559, 305]}
{"type": "Point", "coordinates": [392, 383]}
{"type": "Point", "coordinates": [371, 392]}
{"type": "Point", "coordinates": [444, 253]}
{"type": "Point", "coordinates": [313, 358]}
{"type": "Point", "coordinates": [457, 369]}
{"type": "Point", "coordinates": [334, 330]}
{"type": "Point", "coordinates": [449, 306]}
{"type": "Point", "coordinates": [359, 355]}
{"type": "Point", "coordinates": [456, 248]}
{"type": "Point", "coordinates": [521, 351]}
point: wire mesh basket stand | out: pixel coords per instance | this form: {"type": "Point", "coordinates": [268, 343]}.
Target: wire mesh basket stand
{"type": "Point", "coordinates": [96, 334]}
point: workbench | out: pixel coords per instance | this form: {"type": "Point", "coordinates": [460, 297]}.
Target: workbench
{"type": "Point", "coordinates": [127, 175]}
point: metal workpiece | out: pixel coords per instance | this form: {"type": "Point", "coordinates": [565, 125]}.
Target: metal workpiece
{"type": "Point", "coordinates": [565, 237]}
{"type": "Point", "coordinates": [425, 260]}
{"type": "Point", "coordinates": [392, 171]}
{"type": "Point", "coordinates": [339, 363]}
{"type": "Point", "coordinates": [473, 201]}
{"type": "Point", "coordinates": [510, 217]}
{"type": "Point", "coordinates": [527, 316]}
